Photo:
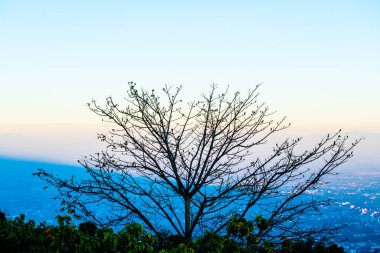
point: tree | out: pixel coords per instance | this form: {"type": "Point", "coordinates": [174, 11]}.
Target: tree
{"type": "Point", "coordinates": [193, 165]}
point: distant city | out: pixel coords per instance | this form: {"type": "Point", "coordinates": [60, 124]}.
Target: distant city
{"type": "Point", "coordinates": [355, 206]}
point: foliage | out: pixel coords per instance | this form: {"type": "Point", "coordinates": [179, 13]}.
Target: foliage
{"type": "Point", "coordinates": [19, 235]}
{"type": "Point", "coordinates": [201, 154]}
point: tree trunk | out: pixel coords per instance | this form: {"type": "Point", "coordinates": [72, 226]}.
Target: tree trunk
{"type": "Point", "coordinates": [187, 219]}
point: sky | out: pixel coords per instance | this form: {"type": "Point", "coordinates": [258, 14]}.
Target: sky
{"type": "Point", "coordinates": [319, 62]}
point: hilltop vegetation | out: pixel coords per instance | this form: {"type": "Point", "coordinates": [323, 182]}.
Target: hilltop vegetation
{"type": "Point", "coordinates": [19, 235]}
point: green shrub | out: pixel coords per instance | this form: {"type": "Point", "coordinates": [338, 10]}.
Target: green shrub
{"type": "Point", "coordinates": [19, 235]}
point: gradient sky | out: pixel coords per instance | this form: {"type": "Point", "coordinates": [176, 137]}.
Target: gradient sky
{"type": "Point", "coordinates": [319, 62]}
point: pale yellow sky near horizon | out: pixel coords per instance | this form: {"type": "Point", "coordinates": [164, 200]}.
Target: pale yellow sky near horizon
{"type": "Point", "coordinates": [318, 62]}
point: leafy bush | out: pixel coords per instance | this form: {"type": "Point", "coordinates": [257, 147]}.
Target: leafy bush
{"type": "Point", "coordinates": [88, 227]}
{"type": "Point", "coordinates": [19, 235]}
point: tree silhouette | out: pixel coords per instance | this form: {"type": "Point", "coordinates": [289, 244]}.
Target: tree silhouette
{"type": "Point", "coordinates": [193, 165]}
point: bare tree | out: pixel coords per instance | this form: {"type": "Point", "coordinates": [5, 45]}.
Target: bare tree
{"type": "Point", "coordinates": [193, 165]}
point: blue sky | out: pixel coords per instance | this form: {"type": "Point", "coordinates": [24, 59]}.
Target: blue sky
{"type": "Point", "coordinates": [319, 62]}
